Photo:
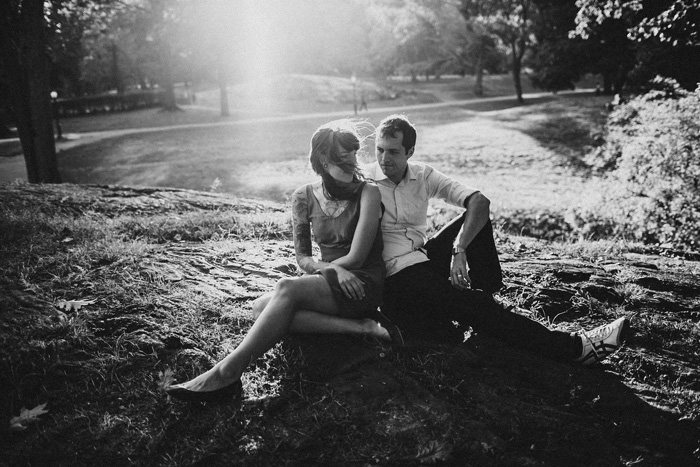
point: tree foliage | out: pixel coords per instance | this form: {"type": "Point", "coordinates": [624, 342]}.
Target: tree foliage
{"type": "Point", "coordinates": [650, 38]}
{"type": "Point", "coordinates": [679, 24]}
{"type": "Point", "coordinates": [674, 21]}
{"type": "Point", "coordinates": [652, 190]}
{"type": "Point", "coordinates": [512, 22]}
{"type": "Point", "coordinates": [416, 38]}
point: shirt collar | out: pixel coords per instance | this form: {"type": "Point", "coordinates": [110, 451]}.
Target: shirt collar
{"type": "Point", "coordinates": [411, 173]}
{"type": "Point", "coordinates": [377, 174]}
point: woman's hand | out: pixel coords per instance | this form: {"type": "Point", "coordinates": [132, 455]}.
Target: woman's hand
{"type": "Point", "coordinates": [459, 272]}
{"type": "Point", "coordinates": [350, 284]}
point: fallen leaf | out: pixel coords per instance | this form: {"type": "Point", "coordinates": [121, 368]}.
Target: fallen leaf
{"type": "Point", "coordinates": [166, 378]}
{"type": "Point", "coordinates": [26, 417]}
{"type": "Point", "coordinates": [433, 452]}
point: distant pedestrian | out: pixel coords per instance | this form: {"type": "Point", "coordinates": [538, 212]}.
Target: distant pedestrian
{"type": "Point", "coordinates": [363, 101]}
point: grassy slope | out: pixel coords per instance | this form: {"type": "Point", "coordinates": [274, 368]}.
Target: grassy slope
{"type": "Point", "coordinates": [171, 274]}
{"type": "Point", "coordinates": [168, 276]}
{"type": "Point", "coordinates": [521, 157]}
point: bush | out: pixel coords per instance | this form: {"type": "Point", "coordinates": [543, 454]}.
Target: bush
{"type": "Point", "coordinates": [104, 103]}
{"type": "Point", "coordinates": [652, 171]}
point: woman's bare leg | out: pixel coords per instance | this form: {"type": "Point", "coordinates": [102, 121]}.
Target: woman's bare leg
{"type": "Point", "coordinates": [312, 322]}
{"type": "Point", "coordinates": [304, 293]}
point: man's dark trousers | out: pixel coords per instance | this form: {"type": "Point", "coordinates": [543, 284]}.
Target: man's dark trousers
{"type": "Point", "coordinates": [482, 258]}
{"type": "Point", "coordinates": [421, 300]}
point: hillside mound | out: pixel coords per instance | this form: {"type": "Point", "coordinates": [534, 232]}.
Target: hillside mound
{"type": "Point", "coordinates": [110, 292]}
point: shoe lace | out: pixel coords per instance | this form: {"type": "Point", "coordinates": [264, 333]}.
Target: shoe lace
{"type": "Point", "coordinates": [598, 333]}
{"type": "Point", "coordinates": [591, 336]}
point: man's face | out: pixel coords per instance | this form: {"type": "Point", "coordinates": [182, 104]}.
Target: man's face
{"type": "Point", "coordinates": [392, 156]}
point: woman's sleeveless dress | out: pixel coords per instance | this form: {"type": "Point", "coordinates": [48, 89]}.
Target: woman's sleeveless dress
{"type": "Point", "coordinates": [333, 224]}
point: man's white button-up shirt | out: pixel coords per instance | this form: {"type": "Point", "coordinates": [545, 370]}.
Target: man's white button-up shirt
{"type": "Point", "coordinates": [405, 219]}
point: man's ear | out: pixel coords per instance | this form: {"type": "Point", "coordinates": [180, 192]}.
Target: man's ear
{"type": "Point", "coordinates": [410, 153]}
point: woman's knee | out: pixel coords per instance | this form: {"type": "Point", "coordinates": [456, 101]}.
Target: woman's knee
{"type": "Point", "coordinates": [288, 288]}
{"type": "Point", "coordinates": [298, 291]}
{"type": "Point", "coordinates": [259, 305]}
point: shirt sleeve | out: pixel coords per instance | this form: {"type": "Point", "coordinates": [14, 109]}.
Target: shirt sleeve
{"type": "Point", "coordinates": [441, 186]}
{"type": "Point", "coordinates": [301, 227]}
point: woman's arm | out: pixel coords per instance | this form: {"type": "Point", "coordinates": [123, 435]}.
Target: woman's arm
{"type": "Point", "coordinates": [370, 211]}
{"type": "Point", "coordinates": [363, 238]}
{"type": "Point", "coordinates": [366, 230]}
{"type": "Point", "coordinates": [301, 228]}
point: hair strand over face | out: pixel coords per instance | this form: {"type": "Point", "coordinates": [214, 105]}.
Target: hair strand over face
{"type": "Point", "coordinates": [329, 140]}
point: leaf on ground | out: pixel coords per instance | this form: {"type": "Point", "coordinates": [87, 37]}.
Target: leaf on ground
{"type": "Point", "coordinates": [167, 377]}
{"type": "Point", "coordinates": [433, 452]}
{"type": "Point", "coordinates": [73, 305]}
{"type": "Point", "coordinates": [26, 417]}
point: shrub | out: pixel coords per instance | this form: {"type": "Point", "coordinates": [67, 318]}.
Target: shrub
{"type": "Point", "coordinates": [652, 172]}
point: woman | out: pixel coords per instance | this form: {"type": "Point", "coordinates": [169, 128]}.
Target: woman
{"type": "Point", "coordinates": [337, 294]}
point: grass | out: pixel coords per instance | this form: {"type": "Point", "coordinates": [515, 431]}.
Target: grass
{"type": "Point", "coordinates": [156, 310]}
{"type": "Point", "coordinates": [168, 285]}
{"type": "Point", "coordinates": [160, 283]}
{"type": "Point", "coordinates": [499, 147]}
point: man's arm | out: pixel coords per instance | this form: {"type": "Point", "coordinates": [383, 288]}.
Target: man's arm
{"type": "Point", "coordinates": [476, 217]}
{"type": "Point", "coordinates": [441, 186]}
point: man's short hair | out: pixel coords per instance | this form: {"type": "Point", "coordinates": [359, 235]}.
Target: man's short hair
{"type": "Point", "coordinates": [394, 124]}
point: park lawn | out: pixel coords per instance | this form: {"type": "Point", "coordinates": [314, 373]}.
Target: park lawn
{"type": "Point", "coordinates": [284, 95]}
{"type": "Point", "coordinates": [111, 293]}
{"type": "Point", "coordinates": [524, 157]}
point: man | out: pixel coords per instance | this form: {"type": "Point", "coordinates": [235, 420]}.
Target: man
{"type": "Point", "coordinates": [450, 278]}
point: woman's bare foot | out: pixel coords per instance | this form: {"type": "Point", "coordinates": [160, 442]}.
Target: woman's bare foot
{"type": "Point", "coordinates": [374, 329]}
{"type": "Point", "coordinates": [208, 381]}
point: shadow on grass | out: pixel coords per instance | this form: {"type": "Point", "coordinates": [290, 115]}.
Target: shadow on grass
{"type": "Point", "coordinates": [345, 401]}
{"type": "Point", "coordinates": [10, 148]}
{"type": "Point", "coordinates": [571, 131]}
{"type": "Point", "coordinates": [506, 104]}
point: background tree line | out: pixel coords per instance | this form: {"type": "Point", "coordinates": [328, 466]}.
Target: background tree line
{"type": "Point", "coordinates": [83, 47]}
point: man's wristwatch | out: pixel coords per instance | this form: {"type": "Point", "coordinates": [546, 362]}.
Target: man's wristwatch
{"type": "Point", "coordinates": [457, 250]}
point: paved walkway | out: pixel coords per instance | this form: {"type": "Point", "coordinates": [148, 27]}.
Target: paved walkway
{"type": "Point", "coordinates": [13, 168]}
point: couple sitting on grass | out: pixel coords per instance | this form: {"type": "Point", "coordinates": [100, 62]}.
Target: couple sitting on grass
{"type": "Point", "coordinates": [371, 229]}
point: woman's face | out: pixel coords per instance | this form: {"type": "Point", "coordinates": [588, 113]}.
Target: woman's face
{"type": "Point", "coordinates": [336, 171]}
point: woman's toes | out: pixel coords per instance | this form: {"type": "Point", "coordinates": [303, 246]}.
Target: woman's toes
{"type": "Point", "coordinates": [383, 333]}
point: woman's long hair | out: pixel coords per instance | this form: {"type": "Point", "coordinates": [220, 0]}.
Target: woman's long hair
{"type": "Point", "coordinates": [329, 140]}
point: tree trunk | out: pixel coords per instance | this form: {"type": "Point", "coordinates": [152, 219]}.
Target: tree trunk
{"type": "Point", "coordinates": [607, 84]}
{"type": "Point", "coordinates": [479, 70]}
{"type": "Point", "coordinates": [117, 82]}
{"type": "Point", "coordinates": [169, 102]}
{"type": "Point", "coordinates": [30, 95]}
{"type": "Point", "coordinates": [517, 63]}
{"type": "Point", "coordinates": [5, 131]}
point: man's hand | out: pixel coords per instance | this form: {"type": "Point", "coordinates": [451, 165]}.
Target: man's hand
{"type": "Point", "coordinates": [459, 272]}
{"type": "Point", "coordinates": [350, 284]}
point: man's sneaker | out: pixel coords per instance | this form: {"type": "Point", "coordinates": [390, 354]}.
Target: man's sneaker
{"type": "Point", "coordinates": [602, 341]}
